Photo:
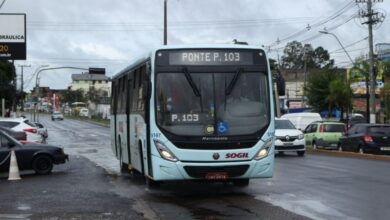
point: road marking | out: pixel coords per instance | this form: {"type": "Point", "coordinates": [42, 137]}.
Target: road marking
{"type": "Point", "coordinates": [93, 135]}
{"type": "Point", "coordinates": [15, 216]}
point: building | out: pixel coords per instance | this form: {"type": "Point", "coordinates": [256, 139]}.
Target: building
{"type": "Point", "coordinates": [87, 81]}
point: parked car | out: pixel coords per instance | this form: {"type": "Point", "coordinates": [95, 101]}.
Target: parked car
{"type": "Point", "coordinates": [366, 138]}
{"type": "Point", "coordinates": [324, 134]}
{"type": "Point", "coordinates": [84, 112]}
{"type": "Point", "coordinates": [22, 124]}
{"type": "Point", "coordinates": [41, 129]}
{"type": "Point", "coordinates": [57, 116]}
{"type": "Point", "coordinates": [303, 119]}
{"type": "Point", "coordinates": [288, 138]}
{"type": "Point", "coordinates": [39, 157]}
{"type": "Point", "coordinates": [18, 135]}
{"type": "Point", "coordinates": [356, 119]}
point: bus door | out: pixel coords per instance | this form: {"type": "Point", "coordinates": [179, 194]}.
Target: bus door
{"type": "Point", "coordinates": [129, 99]}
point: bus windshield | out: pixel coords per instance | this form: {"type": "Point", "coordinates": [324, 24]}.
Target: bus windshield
{"type": "Point", "coordinates": [242, 111]}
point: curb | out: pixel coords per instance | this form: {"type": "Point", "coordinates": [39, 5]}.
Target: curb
{"type": "Point", "coordinates": [88, 121]}
{"type": "Point", "coordinates": [348, 154]}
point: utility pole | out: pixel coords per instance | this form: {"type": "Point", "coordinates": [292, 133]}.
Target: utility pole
{"type": "Point", "coordinates": [372, 18]}
{"type": "Point", "coordinates": [165, 23]}
{"type": "Point", "coordinates": [21, 85]}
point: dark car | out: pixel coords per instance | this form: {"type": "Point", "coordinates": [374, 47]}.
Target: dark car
{"type": "Point", "coordinates": [366, 138]}
{"type": "Point", "coordinates": [18, 135]}
{"type": "Point", "coordinates": [39, 157]}
{"type": "Point", "coordinates": [356, 120]}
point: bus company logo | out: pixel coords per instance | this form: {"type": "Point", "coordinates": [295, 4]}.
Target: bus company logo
{"type": "Point", "coordinates": [216, 156]}
{"type": "Point", "coordinates": [236, 155]}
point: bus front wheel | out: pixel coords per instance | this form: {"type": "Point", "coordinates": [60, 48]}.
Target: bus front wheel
{"type": "Point", "coordinates": [152, 184]}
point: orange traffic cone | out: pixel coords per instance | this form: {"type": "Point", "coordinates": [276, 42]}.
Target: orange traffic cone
{"type": "Point", "coordinates": [13, 168]}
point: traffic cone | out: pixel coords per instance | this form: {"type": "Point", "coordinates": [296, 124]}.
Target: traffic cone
{"type": "Point", "coordinates": [13, 168]}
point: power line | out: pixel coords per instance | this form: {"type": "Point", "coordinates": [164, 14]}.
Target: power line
{"type": "Point", "coordinates": [346, 8]}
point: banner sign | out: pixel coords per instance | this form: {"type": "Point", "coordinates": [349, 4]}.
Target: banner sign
{"type": "Point", "coordinates": [12, 36]}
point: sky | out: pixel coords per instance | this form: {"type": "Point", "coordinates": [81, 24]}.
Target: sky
{"type": "Point", "coordinates": [111, 33]}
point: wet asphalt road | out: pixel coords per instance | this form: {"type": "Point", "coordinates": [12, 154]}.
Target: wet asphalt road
{"type": "Point", "coordinates": [90, 187]}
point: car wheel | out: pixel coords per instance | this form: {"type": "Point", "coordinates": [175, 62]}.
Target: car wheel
{"type": "Point", "coordinates": [241, 182]}
{"type": "Point", "coordinates": [301, 153]}
{"type": "Point", "coordinates": [42, 164]}
{"type": "Point", "coordinates": [339, 147]}
{"type": "Point", "coordinates": [361, 150]}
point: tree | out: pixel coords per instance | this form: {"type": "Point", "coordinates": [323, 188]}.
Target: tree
{"type": "Point", "coordinates": [321, 59]}
{"type": "Point", "coordinates": [318, 88]}
{"type": "Point", "coordinates": [7, 89]}
{"type": "Point", "coordinates": [340, 95]}
{"type": "Point", "coordinates": [71, 96]}
{"type": "Point", "coordinates": [95, 95]}
{"type": "Point", "coordinates": [295, 55]}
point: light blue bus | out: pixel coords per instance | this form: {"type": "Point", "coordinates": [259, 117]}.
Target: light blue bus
{"type": "Point", "coordinates": [197, 112]}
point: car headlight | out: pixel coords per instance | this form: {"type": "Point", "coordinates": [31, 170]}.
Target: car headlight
{"type": "Point", "coordinates": [164, 151]}
{"type": "Point", "coordinates": [263, 152]}
{"type": "Point", "coordinates": [301, 136]}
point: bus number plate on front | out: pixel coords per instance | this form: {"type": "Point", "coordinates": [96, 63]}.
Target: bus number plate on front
{"type": "Point", "coordinates": [217, 176]}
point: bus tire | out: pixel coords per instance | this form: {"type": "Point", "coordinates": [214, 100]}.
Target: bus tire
{"type": "Point", "coordinates": [152, 184]}
{"type": "Point", "coordinates": [241, 182]}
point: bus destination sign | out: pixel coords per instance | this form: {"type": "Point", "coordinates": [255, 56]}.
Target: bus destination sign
{"type": "Point", "coordinates": [207, 57]}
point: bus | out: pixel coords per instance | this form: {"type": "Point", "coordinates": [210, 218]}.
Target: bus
{"type": "Point", "coordinates": [199, 112]}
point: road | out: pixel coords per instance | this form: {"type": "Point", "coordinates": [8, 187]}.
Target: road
{"type": "Point", "coordinates": [316, 186]}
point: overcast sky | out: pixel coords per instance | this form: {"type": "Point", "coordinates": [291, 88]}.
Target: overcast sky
{"type": "Point", "coordinates": [110, 33]}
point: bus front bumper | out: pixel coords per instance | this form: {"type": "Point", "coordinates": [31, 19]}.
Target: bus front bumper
{"type": "Point", "coordinates": [167, 170]}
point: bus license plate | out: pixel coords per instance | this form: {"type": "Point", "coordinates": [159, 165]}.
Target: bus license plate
{"type": "Point", "coordinates": [385, 148]}
{"type": "Point", "coordinates": [216, 176]}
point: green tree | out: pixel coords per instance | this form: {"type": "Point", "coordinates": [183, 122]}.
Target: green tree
{"type": "Point", "coordinates": [295, 54]}
{"type": "Point", "coordinates": [71, 96]}
{"type": "Point", "coordinates": [7, 89]}
{"type": "Point", "coordinates": [340, 95]}
{"type": "Point", "coordinates": [318, 88]}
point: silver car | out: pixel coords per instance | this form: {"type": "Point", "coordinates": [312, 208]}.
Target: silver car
{"type": "Point", "coordinates": [57, 116]}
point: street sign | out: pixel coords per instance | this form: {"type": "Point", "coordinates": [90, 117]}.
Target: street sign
{"type": "Point", "coordinates": [12, 36]}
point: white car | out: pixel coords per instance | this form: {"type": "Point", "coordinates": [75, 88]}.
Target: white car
{"type": "Point", "coordinates": [84, 112]}
{"type": "Point", "coordinates": [22, 124]}
{"type": "Point", "coordinates": [288, 138]}
{"type": "Point", "coordinates": [57, 116]}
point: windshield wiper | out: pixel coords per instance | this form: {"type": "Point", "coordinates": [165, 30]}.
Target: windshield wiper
{"type": "Point", "coordinates": [229, 89]}
{"type": "Point", "coordinates": [191, 82]}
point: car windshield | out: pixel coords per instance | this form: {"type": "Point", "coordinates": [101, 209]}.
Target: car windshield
{"type": "Point", "coordinates": [381, 130]}
{"type": "Point", "coordinates": [284, 124]}
{"type": "Point", "coordinates": [334, 127]}
{"type": "Point", "coordinates": [206, 108]}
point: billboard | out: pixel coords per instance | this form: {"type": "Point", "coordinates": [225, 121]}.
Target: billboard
{"type": "Point", "coordinates": [12, 36]}
{"type": "Point", "coordinates": [357, 79]}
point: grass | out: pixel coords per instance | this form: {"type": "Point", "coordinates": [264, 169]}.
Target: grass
{"type": "Point", "coordinates": [93, 119]}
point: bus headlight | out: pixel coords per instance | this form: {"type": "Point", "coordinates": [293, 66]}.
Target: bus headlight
{"type": "Point", "coordinates": [263, 152]}
{"type": "Point", "coordinates": [164, 151]}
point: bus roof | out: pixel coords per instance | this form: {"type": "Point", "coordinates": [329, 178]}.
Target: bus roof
{"type": "Point", "coordinates": [150, 54]}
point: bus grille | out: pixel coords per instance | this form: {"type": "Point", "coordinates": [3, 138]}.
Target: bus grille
{"type": "Point", "coordinates": [201, 171]}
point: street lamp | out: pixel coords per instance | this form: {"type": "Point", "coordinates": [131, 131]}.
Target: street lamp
{"type": "Point", "coordinates": [37, 70]}
{"type": "Point", "coordinates": [326, 32]}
